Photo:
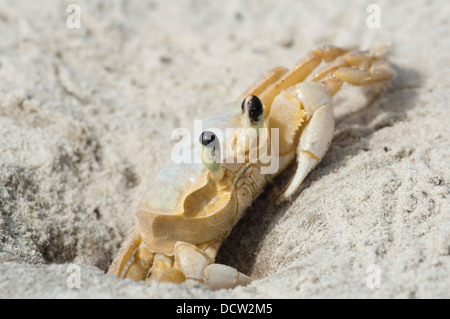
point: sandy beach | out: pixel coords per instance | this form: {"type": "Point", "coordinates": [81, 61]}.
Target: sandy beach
{"type": "Point", "coordinates": [89, 98]}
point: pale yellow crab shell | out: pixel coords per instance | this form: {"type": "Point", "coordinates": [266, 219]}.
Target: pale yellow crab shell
{"type": "Point", "coordinates": [184, 204]}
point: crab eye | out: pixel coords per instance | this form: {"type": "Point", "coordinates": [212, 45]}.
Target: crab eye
{"type": "Point", "coordinates": [210, 150]}
{"type": "Point", "coordinates": [253, 112]}
{"type": "Point", "coordinates": [207, 138]}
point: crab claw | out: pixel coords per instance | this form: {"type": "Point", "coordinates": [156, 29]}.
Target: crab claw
{"type": "Point", "coordinates": [316, 136]}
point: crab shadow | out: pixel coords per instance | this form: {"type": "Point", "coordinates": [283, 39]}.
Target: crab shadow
{"type": "Point", "coordinates": [353, 133]}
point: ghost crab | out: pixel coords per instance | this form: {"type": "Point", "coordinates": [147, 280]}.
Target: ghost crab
{"type": "Point", "coordinates": [191, 208]}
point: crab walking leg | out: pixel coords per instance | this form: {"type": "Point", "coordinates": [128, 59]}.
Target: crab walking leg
{"type": "Point", "coordinates": [360, 59]}
{"type": "Point", "coordinates": [191, 260]}
{"type": "Point", "coordinates": [166, 270]}
{"type": "Point", "coordinates": [161, 263]}
{"type": "Point", "coordinates": [264, 81]}
{"type": "Point", "coordinates": [357, 68]}
{"type": "Point", "coordinates": [218, 276]}
{"type": "Point", "coordinates": [128, 247]}
{"type": "Point", "coordinates": [197, 264]}
{"type": "Point", "coordinates": [140, 265]}
{"type": "Point", "coordinates": [378, 74]}
{"type": "Point", "coordinates": [300, 72]}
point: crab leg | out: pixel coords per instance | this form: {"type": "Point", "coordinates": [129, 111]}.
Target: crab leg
{"type": "Point", "coordinates": [377, 73]}
{"type": "Point", "coordinates": [161, 263]}
{"type": "Point", "coordinates": [196, 263]}
{"type": "Point", "coordinates": [140, 265]}
{"type": "Point", "coordinates": [299, 73]}
{"type": "Point", "coordinates": [128, 247]}
{"type": "Point", "coordinates": [357, 68]}
{"type": "Point", "coordinates": [218, 276]}
{"type": "Point", "coordinates": [264, 81]}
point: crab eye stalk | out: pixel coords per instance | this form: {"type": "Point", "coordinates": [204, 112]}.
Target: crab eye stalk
{"type": "Point", "coordinates": [253, 112]}
{"type": "Point", "coordinates": [210, 154]}
{"type": "Point", "coordinates": [252, 122]}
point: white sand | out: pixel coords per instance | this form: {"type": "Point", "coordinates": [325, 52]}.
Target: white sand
{"type": "Point", "coordinates": [85, 122]}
